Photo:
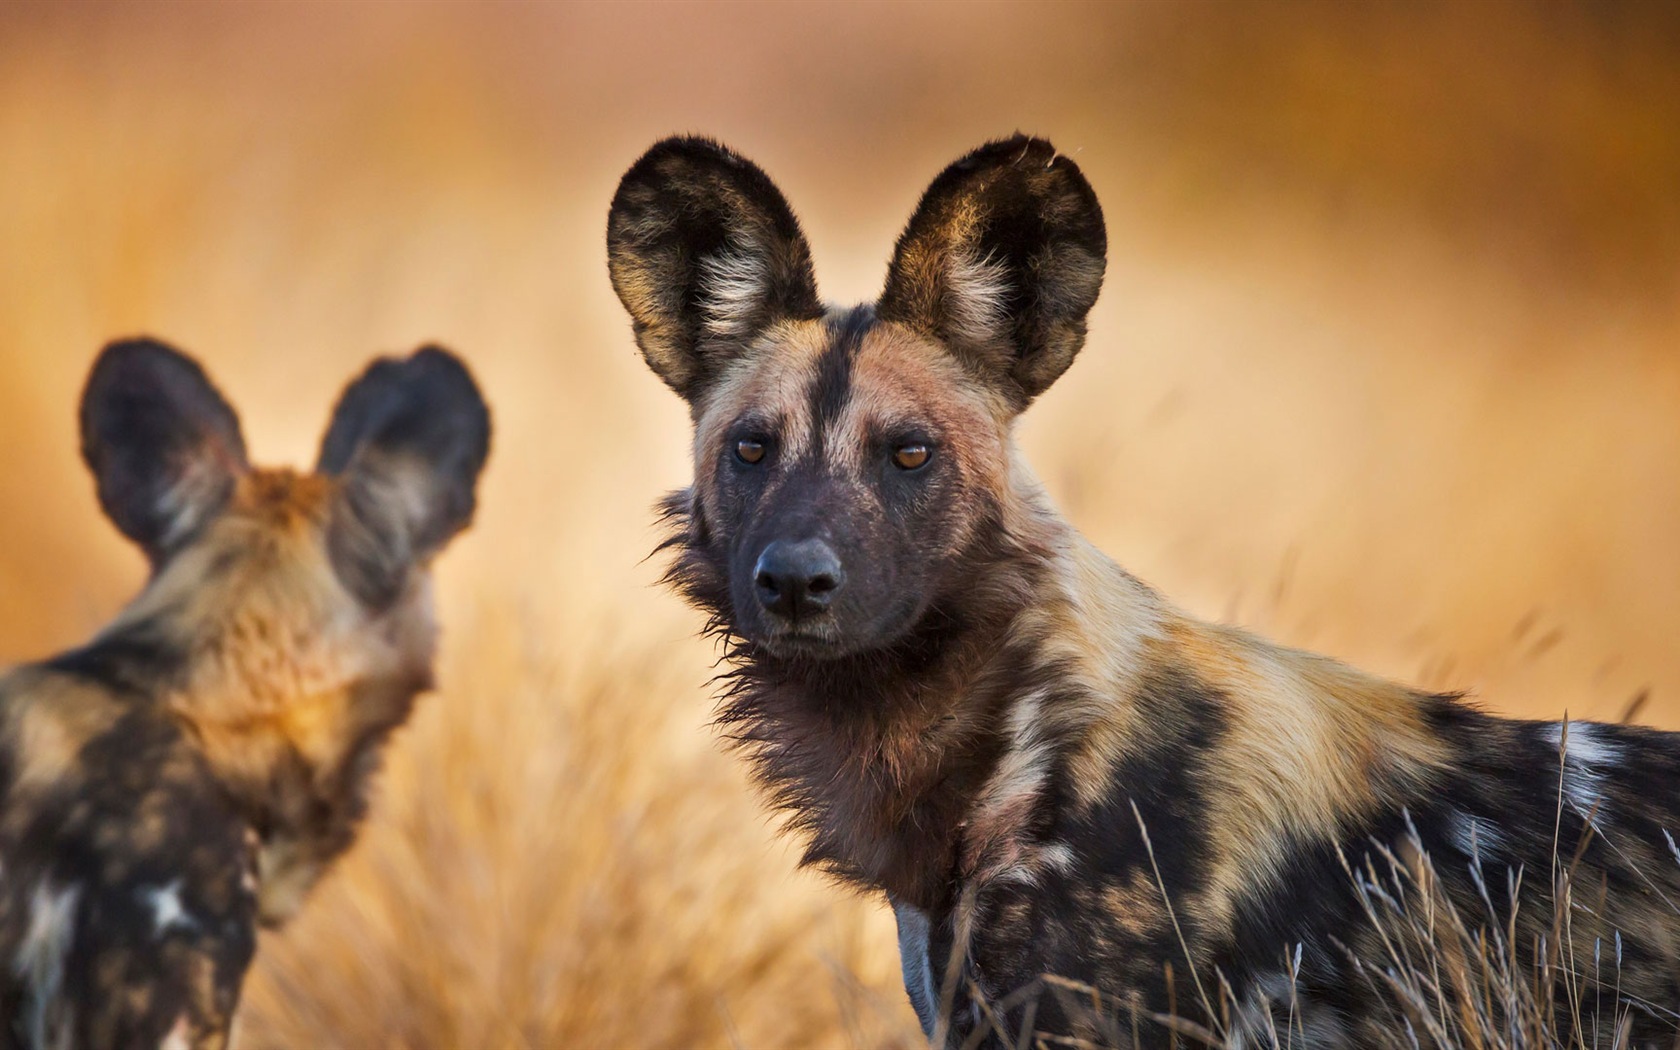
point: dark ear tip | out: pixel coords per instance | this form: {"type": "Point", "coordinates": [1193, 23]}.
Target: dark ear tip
{"type": "Point", "coordinates": [670, 158]}
{"type": "Point", "coordinates": [443, 382]}
{"type": "Point", "coordinates": [432, 359]}
{"type": "Point", "coordinates": [698, 148]}
{"type": "Point", "coordinates": [133, 355]}
{"type": "Point", "coordinates": [1015, 149]}
{"type": "Point", "coordinates": [434, 364]}
{"type": "Point", "coordinates": [140, 366]}
{"type": "Point", "coordinates": [428, 387]}
{"type": "Point", "coordinates": [1021, 151]}
{"type": "Point", "coordinates": [138, 347]}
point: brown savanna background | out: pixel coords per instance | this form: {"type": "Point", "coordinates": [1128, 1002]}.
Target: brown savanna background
{"type": "Point", "coordinates": [1387, 365]}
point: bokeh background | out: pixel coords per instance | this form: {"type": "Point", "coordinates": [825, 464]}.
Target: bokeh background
{"type": "Point", "coordinates": [1387, 365]}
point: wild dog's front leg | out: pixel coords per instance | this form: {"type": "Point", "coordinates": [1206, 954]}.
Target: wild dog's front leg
{"type": "Point", "coordinates": [1064, 956]}
{"type": "Point", "coordinates": [920, 981]}
{"type": "Point", "coordinates": [937, 983]}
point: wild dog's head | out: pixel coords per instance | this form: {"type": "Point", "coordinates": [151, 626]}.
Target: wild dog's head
{"type": "Point", "coordinates": [288, 615]}
{"type": "Point", "coordinates": [845, 460]}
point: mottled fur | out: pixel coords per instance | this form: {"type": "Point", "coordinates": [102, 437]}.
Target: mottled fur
{"type": "Point", "coordinates": [193, 770]}
{"type": "Point", "coordinates": [1044, 766]}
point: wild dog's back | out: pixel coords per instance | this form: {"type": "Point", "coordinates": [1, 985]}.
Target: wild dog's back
{"type": "Point", "coordinates": [193, 770]}
{"type": "Point", "coordinates": [1311, 848]}
{"type": "Point", "coordinates": [128, 897]}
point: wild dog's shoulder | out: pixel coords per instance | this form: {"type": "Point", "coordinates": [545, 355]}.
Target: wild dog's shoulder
{"type": "Point", "coordinates": [48, 718]}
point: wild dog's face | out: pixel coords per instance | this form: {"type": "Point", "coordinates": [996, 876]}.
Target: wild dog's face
{"type": "Point", "coordinates": [846, 461]}
{"type": "Point", "coordinates": [298, 600]}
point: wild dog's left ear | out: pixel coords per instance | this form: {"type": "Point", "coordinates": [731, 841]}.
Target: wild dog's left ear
{"type": "Point", "coordinates": [1001, 262]}
{"type": "Point", "coordinates": [705, 254]}
{"type": "Point", "coordinates": [409, 439]}
{"type": "Point", "coordinates": [162, 442]}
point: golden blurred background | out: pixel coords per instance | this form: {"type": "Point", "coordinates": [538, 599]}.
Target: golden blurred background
{"type": "Point", "coordinates": [1387, 365]}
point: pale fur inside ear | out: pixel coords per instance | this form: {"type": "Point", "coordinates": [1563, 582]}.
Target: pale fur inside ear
{"type": "Point", "coordinates": [977, 295]}
{"type": "Point", "coordinates": [195, 494]}
{"type": "Point", "coordinates": [381, 527]}
{"type": "Point", "coordinates": [735, 288]}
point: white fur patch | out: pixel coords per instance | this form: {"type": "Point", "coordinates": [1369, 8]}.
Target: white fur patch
{"type": "Point", "coordinates": [736, 284]}
{"type": "Point", "coordinates": [179, 1036]}
{"type": "Point", "coordinates": [1056, 856]}
{"type": "Point", "coordinates": [183, 505]}
{"type": "Point", "coordinates": [1475, 836]}
{"type": "Point", "coordinates": [40, 958]}
{"type": "Point", "coordinates": [1587, 755]}
{"type": "Point", "coordinates": [167, 910]}
{"type": "Point", "coordinates": [976, 297]}
{"type": "Point", "coordinates": [253, 855]}
{"type": "Point", "coordinates": [1020, 774]}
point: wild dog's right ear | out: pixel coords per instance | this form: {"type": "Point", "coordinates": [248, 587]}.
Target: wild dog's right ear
{"type": "Point", "coordinates": [164, 446]}
{"type": "Point", "coordinates": [408, 439]}
{"type": "Point", "coordinates": [705, 254]}
{"type": "Point", "coordinates": [1001, 262]}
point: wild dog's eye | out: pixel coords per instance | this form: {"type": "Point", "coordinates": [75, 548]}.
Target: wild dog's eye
{"type": "Point", "coordinates": [912, 456]}
{"type": "Point", "coordinates": [749, 450]}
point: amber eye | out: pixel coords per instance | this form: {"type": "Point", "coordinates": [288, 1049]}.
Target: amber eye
{"type": "Point", "coordinates": [749, 451]}
{"type": "Point", "coordinates": [910, 457]}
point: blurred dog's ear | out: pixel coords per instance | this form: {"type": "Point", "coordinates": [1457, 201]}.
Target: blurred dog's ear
{"type": "Point", "coordinates": [408, 439]}
{"type": "Point", "coordinates": [705, 254]}
{"type": "Point", "coordinates": [1001, 262]}
{"type": "Point", "coordinates": [163, 444]}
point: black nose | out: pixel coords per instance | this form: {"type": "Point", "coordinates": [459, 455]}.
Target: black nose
{"type": "Point", "coordinates": [797, 579]}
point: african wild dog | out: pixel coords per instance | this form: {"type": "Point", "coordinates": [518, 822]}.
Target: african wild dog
{"type": "Point", "coordinates": [194, 769]}
{"type": "Point", "coordinates": [1045, 766]}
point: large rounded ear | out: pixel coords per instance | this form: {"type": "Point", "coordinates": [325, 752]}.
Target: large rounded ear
{"type": "Point", "coordinates": [164, 446]}
{"type": "Point", "coordinates": [705, 254]}
{"type": "Point", "coordinates": [408, 440]}
{"type": "Point", "coordinates": [1001, 262]}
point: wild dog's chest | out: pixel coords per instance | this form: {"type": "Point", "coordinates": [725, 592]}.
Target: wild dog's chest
{"type": "Point", "coordinates": [885, 812]}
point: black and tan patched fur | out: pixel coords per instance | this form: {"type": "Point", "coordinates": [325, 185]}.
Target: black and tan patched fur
{"type": "Point", "coordinates": [1091, 812]}
{"type": "Point", "coordinates": [192, 771]}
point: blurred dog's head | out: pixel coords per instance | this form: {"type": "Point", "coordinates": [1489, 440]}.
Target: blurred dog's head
{"type": "Point", "coordinates": [288, 617]}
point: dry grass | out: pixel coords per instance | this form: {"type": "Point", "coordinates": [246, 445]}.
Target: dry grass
{"type": "Point", "coordinates": [1384, 367]}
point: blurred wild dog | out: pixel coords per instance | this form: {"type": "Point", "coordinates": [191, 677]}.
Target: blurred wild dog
{"type": "Point", "coordinates": [1046, 767]}
{"type": "Point", "coordinates": [194, 769]}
